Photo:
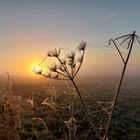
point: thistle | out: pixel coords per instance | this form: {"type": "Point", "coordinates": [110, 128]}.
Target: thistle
{"type": "Point", "coordinates": [130, 39]}
{"type": "Point", "coordinates": [67, 68]}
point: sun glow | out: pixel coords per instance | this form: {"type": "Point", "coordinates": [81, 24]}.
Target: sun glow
{"type": "Point", "coordinates": [34, 67]}
{"type": "Point", "coordinates": [37, 69]}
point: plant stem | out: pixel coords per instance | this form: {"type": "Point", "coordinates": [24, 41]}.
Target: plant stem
{"type": "Point", "coordinates": [119, 86]}
{"type": "Point", "coordinates": [85, 109]}
{"type": "Point", "coordinates": [65, 68]}
{"type": "Point", "coordinates": [118, 50]}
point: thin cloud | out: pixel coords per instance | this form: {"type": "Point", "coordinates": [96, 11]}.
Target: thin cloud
{"type": "Point", "coordinates": [109, 16]}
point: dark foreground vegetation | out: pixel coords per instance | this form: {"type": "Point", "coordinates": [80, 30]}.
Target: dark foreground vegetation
{"type": "Point", "coordinates": [52, 111]}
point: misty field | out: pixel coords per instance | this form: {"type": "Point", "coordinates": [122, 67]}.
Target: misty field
{"type": "Point", "coordinates": [51, 110]}
{"type": "Point", "coordinates": [70, 70]}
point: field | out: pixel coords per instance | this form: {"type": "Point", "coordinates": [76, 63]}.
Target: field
{"type": "Point", "coordinates": [51, 110]}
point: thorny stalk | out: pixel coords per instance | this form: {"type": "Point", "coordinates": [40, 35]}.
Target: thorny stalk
{"type": "Point", "coordinates": [68, 67]}
{"type": "Point", "coordinates": [131, 38]}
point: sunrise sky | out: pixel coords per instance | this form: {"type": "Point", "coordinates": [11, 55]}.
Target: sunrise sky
{"type": "Point", "coordinates": [28, 28]}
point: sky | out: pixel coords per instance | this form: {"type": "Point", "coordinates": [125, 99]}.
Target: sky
{"type": "Point", "coordinates": [29, 28]}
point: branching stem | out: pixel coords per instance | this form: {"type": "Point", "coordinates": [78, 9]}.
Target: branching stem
{"type": "Point", "coordinates": [119, 86]}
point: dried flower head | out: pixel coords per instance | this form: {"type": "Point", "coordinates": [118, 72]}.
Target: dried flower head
{"type": "Point", "coordinates": [63, 61]}
{"type": "Point", "coordinates": [71, 63]}
{"type": "Point", "coordinates": [54, 53]}
{"type": "Point", "coordinates": [71, 55]}
{"type": "Point", "coordinates": [80, 58]}
{"type": "Point", "coordinates": [82, 46]}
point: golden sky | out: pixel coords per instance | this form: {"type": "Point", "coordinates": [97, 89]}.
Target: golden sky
{"type": "Point", "coordinates": [29, 29]}
{"type": "Point", "coordinates": [24, 54]}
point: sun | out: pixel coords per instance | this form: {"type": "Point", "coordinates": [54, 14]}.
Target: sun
{"type": "Point", "coordinates": [37, 69]}
{"type": "Point", "coordinates": [34, 68]}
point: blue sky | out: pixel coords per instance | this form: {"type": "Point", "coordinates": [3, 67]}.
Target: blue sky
{"type": "Point", "coordinates": [62, 23]}
{"type": "Point", "coordinates": [76, 19]}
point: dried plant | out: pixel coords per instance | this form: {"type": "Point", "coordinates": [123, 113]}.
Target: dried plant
{"type": "Point", "coordinates": [130, 39]}
{"type": "Point", "coordinates": [10, 108]}
{"type": "Point", "coordinates": [66, 68]}
{"type": "Point", "coordinates": [35, 121]}
{"type": "Point", "coordinates": [72, 127]}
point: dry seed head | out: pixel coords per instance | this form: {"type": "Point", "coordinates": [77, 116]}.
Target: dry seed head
{"type": "Point", "coordinates": [71, 64]}
{"type": "Point", "coordinates": [63, 61]}
{"type": "Point", "coordinates": [71, 55]}
{"type": "Point", "coordinates": [82, 46]}
{"type": "Point", "coordinates": [54, 53]}
{"type": "Point", "coordinates": [80, 59]}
